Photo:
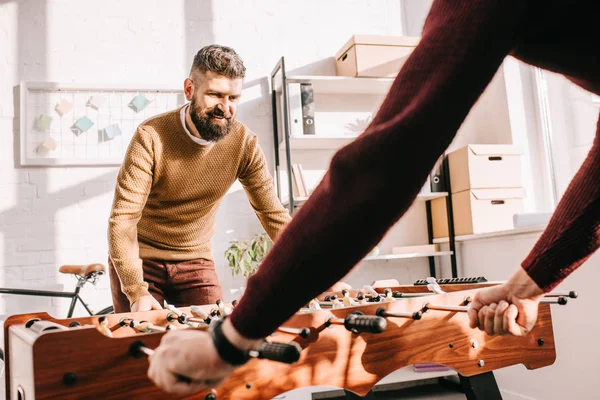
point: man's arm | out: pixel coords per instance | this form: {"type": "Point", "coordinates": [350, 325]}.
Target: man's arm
{"type": "Point", "coordinates": [571, 237]}
{"type": "Point", "coordinates": [133, 186]}
{"type": "Point", "coordinates": [258, 184]}
{"type": "Point", "coordinates": [573, 233]}
{"type": "Point", "coordinates": [372, 181]}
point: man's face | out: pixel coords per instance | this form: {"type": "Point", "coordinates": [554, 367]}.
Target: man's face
{"type": "Point", "coordinates": [213, 102]}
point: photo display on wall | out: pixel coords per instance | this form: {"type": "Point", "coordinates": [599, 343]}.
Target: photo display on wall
{"type": "Point", "coordinates": [68, 124]}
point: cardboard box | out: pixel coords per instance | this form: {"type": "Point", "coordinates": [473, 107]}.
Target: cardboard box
{"type": "Point", "coordinates": [485, 166]}
{"type": "Point", "coordinates": [477, 211]}
{"type": "Point", "coordinates": [374, 56]}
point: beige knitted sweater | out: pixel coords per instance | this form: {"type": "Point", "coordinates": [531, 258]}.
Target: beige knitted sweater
{"type": "Point", "coordinates": [169, 189]}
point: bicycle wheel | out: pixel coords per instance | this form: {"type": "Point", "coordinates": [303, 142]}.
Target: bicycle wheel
{"type": "Point", "coordinates": [107, 310]}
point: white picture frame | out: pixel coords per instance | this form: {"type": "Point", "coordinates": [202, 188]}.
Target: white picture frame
{"type": "Point", "coordinates": [90, 147]}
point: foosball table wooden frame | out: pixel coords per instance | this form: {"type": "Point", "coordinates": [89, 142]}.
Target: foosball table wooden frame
{"type": "Point", "coordinates": [81, 362]}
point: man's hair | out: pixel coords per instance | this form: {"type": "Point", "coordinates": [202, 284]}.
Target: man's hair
{"type": "Point", "coordinates": [219, 59]}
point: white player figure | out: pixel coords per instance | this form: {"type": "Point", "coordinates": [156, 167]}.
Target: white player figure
{"type": "Point", "coordinates": [223, 309]}
{"type": "Point", "coordinates": [313, 305]}
{"type": "Point", "coordinates": [103, 326]}
{"type": "Point", "coordinates": [433, 286]}
{"type": "Point", "coordinates": [336, 303]}
{"type": "Point", "coordinates": [362, 299]}
{"type": "Point", "coordinates": [198, 312]}
{"type": "Point", "coordinates": [348, 301]}
{"type": "Point", "coordinates": [388, 295]}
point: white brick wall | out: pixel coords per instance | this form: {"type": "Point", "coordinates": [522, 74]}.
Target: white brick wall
{"type": "Point", "coordinates": [54, 216]}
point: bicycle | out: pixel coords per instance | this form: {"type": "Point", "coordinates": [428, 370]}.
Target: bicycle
{"type": "Point", "coordinates": [84, 274]}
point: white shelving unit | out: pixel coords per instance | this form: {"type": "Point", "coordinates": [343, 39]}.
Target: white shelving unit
{"type": "Point", "coordinates": [318, 142]}
{"type": "Point", "coordinates": [344, 84]}
{"type": "Point", "coordinates": [420, 197]}
{"type": "Point", "coordinates": [288, 140]}
{"type": "Point", "coordinates": [332, 94]}
{"type": "Point", "coordinates": [407, 255]}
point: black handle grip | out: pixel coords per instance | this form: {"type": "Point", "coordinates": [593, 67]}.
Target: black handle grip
{"type": "Point", "coordinates": [365, 323]}
{"type": "Point", "coordinates": [283, 352]}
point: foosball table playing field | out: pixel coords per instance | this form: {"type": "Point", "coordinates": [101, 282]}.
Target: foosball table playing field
{"type": "Point", "coordinates": [350, 339]}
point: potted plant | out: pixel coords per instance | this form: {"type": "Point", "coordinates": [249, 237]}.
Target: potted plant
{"type": "Point", "coordinates": [244, 257]}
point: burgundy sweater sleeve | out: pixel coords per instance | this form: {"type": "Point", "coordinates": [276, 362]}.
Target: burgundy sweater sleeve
{"type": "Point", "coordinates": [372, 181]}
{"type": "Point", "coordinates": [573, 233]}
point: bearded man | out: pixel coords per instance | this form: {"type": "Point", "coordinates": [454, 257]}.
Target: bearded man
{"type": "Point", "coordinates": [177, 169]}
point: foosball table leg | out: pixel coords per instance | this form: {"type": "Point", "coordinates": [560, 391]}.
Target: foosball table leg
{"type": "Point", "coordinates": [480, 387]}
{"type": "Point", "coordinates": [354, 396]}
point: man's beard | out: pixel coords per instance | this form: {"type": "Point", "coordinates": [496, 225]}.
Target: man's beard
{"type": "Point", "coordinates": [208, 128]}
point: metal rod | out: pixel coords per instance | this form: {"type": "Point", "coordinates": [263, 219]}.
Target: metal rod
{"type": "Point", "coordinates": [443, 307]}
{"type": "Point", "coordinates": [404, 295]}
{"type": "Point", "coordinates": [146, 351]}
{"type": "Point", "coordinates": [197, 320]}
{"type": "Point", "coordinates": [562, 300]}
{"type": "Point", "coordinates": [147, 326]}
{"type": "Point", "coordinates": [337, 321]}
{"type": "Point", "coordinates": [138, 347]}
{"type": "Point", "coordinates": [572, 294]}
{"type": "Point", "coordinates": [382, 312]}
{"type": "Point", "coordinates": [303, 332]}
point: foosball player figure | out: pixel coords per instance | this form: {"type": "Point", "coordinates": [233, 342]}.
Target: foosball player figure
{"type": "Point", "coordinates": [348, 301]}
{"type": "Point", "coordinates": [362, 299]}
{"type": "Point", "coordinates": [388, 296]}
{"type": "Point", "coordinates": [103, 326]}
{"type": "Point", "coordinates": [313, 305]}
{"type": "Point", "coordinates": [335, 302]}
{"type": "Point", "coordinates": [223, 309]}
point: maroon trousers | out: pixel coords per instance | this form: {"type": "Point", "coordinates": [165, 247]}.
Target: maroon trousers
{"type": "Point", "coordinates": [183, 283]}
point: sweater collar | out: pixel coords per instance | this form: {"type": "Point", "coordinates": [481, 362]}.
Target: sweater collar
{"type": "Point", "coordinates": [187, 131]}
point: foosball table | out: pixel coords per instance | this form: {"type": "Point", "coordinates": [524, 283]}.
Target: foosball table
{"type": "Point", "coordinates": [350, 339]}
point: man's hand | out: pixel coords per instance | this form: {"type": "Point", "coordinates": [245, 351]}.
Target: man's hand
{"type": "Point", "coordinates": [510, 308]}
{"type": "Point", "coordinates": [146, 303]}
{"type": "Point", "coordinates": [191, 354]}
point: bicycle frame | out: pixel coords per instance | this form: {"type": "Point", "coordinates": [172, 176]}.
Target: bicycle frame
{"type": "Point", "coordinates": [74, 296]}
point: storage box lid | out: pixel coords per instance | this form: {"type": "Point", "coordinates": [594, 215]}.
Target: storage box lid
{"type": "Point", "coordinates": [379, 40]}
{"type": "Point", "coordinates": [498, 194]}
{"type": "Point", "coordinates": [495, 149]}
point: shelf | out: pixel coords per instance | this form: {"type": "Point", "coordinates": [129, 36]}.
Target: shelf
{"type": "Point", "coordinates": [298, 201]}
{"type": "Point", "coordinates": [344, 84]}
{"type": "Point", "coordinates": [407, 255]}
{"type": "Point", "coordinates": [318, 142]}
{"type": "Point", "coordinates": [431, 196]}
{"type": "Point", "coordinates": [497, 234]}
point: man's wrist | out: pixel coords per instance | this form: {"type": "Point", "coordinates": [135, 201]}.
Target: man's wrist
{"type": "Point", "coordinates": [236, 339]}
{"type": "Point", "coordinates": [521, 285]}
